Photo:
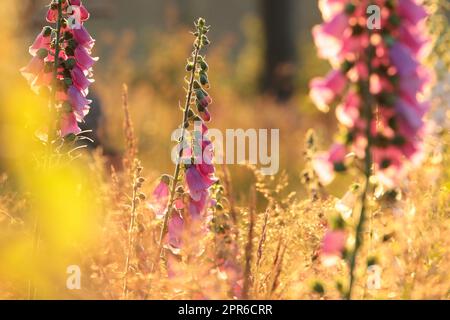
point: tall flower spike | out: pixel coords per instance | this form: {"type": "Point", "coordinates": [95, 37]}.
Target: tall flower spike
{"type": "Point", "coordinates": [378, 84]}
{"type": "Point", "coordinates": [388, 60]}
{"type": "Point", "coordinates": [189, 196]}
{"type": "Point", "coordinates": [62, 63]}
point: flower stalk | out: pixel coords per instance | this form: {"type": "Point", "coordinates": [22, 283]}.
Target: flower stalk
{"type": "Point", "coordinates": [136, 197]}
{"type": "Point", "coordinates": [359, 231]}
{"type": "Point", "coordinates": [52, 107]}
{"type": "Point", "coordinates": [193, 87]}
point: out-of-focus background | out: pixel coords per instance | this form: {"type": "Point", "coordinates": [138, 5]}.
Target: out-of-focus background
{"type": "Point", "coordinates": [261, 60]}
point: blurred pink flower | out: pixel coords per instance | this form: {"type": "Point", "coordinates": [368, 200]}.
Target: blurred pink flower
{"type": "Point", "coordinates": [74, 59]}
{"type": "Point", "coordinates": [42, 41]}
{"type": "Point", "coordinates": [83, 58]}
{"type": "Point", "coordinates": [160, 197]}
{"type": "Point", "coordinates": [83, 37]}
{"type": "Point", "coordinates": [69, 124]}
{"type": "Point", "coordinates": [324, 163]}
{"type": "Point", "coordinates": [396, 80]}
{"type": "Point", "coordinates": [32, 70]}
{"type": "Point", "coordinates": [324, 90]}
{"type": "Point", "coordinates": [333, 245]}
{"type": "Point", "coordinates": [197, 182]}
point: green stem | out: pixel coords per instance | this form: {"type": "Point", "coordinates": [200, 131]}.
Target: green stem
{"type": "Point", "coordinates": [52, 106]}
{"type": "Point", "coordinates": [130, 239]}
{"type": "Point", "coordinates": [360, 225]}
{"type": "Point", "coordinates": [367, 174]}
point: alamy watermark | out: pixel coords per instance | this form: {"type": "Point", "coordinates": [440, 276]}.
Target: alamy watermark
{"type": "Point", "coordinates": [74, 19]}
{"type": "Point", "coordinates": [73, 281]}
{"type": "Point", "coordinates": [234, 146]}
{"type": "Point", "coordinates": [374, 17]}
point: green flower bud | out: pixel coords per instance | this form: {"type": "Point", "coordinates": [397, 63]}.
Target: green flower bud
{"type": "Point", "coordinates": [203, 65]}
{"type": "Point", "coordinates": [197, 85]}
{"type": "Point", "coordinates": [70, 63]}
{"type": "Point", "coordinates": [350, 8]}
{"type": "Point", "coordinates": [70, 137]}
{"type": "Point", "coordinates": [337, 222]}
{"type": "Point", "coordinates": [394, 20]}
{"type": "Point", "coordinates": [372, 260]}
{"type": "Point", "coordinates": [68, 35]}
{"type": "Point", "coordinates": [42, 53]}
{"type": "Point", "coordinates": [66, 107]}
{"type": "Point", "coordinates": [166, 179]}
{"type": "Point", "coordinates": [204, 79]}
{"type": "Point", "coordinates": [189, 67]}
{"type": "Point", "coordinates": [199, 94]}
{"type": "Point", "coordinates": [47, 31]}
{"type": "Point", "coordinates": [205, 40]}
{"type": "Point", "coordinates": [142, 196]}
{"type": "Point", "coordinates": [339, 167]}
{"type": "Point", "coordinates": [201, 22]}
{"type": "Point", "coordinates": [318, 287]}
{"type": "Point", "coordinates": [68, 81]}
{"type": "Point", "coordinates": [385, 163]}
{"type": "Point", "coordinates": [141, 179]}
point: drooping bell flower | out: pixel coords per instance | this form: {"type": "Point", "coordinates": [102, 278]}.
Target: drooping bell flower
{"type": "Point", "coordinates": [83, 38]}
{"type": "Point", "coordinates": [42, 41]}
{"type": "Point", "coordinates": [80, 79]}
{"type": "Point", "coordinates": [326, 163]}
{"type": "Point", "coordinates": [324, 91]}
{"type": "Point", "coordinates": [69, 124]}
{"type": "Point", "coordinates": [83, 58]}
{"type": "Point", "coordinates": [197, 182]}
{"type": "Point", "coordinates": [33, 69]}
{"type": "Point", "coordinates": [161, 196]}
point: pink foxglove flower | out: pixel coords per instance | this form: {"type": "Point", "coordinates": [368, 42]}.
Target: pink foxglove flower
{"type": "Point", "coordinates": [324, 91]}
{"type": "Point", "coordinates": [161, 196]}
{"type": "Point", "coordinates": [388, 61]}
{"type": "Point", "coordinates": [70, 82]}
{"type": "Point", "coordinates": [193, 192]}
{"type": "Point", "coordinates": [333, 246]}
{"type": "Point", "coordinates": [326, 163]}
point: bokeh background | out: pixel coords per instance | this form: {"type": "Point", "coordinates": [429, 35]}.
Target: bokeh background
{"type": "Point", "coordinates": [261, 61]}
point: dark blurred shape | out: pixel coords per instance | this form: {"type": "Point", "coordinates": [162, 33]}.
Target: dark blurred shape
{"type": "Point", "coordinates": [280, 49]}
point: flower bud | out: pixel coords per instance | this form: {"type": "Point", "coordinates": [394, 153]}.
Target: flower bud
{"type": "Point", "coordinates": [204, 79]}
{"type": "Point", "coordinates": [197, 85]}
{"type": "Point", "coordinates": [70, 63]}
{"type": "Point", "coordinates": [142, 196]}
{"type": "Point", "coordinates": [47, 31]}
{"type": "Point", "coordinates": [201, 22]}
{"type": "Point", "coordinates": [66, 107]}
{"type": "Point", "coordinates": [318, 288]}
{"type": "Point", "coordinates": [166, 179]}
{"type": "Point", "coordinates": [189, 67]}
{"type": "Point", "coordinates": [203, 65]}
{"type": "Point", "coordinates": [42, 53]}
{"type": "Point", "coordinates": [205, 40]}
{"type": "Point", "coordinates": [141, 179]}
{"type": "Point", "coordinates": [70, 137]}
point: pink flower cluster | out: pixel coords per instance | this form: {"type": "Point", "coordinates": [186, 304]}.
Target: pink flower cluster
{"type": "Point", "coordinates": [74, 63]}
{"type": "Point", "coordinates": [190, 206]}
{"type": "Point", "coordinates": [387, 63]}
